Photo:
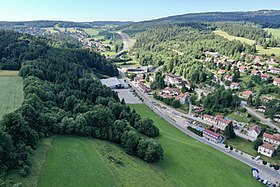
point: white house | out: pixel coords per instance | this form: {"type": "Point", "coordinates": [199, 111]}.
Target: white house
{"type": "Point", "coordinates": [261, 108]}
{"type": "Point", "coordinates": [276, 81]}
{"type": "Point", "coordinates": [272, 139]}
{"type": "Point", "coordinates": [266, 149]}
{"type": "Point", "coordinates": [275, 70]}
{"type": "Point", "coordinates": [209, 118]}
{"type": "Point", "coordinates": [234, 86]}
{"type": "Point", "coordinates": [254, 131]}
{"type": "Point", "coordinates": [221, 122]}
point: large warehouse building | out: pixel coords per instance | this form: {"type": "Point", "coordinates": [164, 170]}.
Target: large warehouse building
{"type": "Point", "coordinates": [114, 83]}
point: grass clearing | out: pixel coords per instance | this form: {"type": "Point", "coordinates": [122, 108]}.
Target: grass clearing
{"type": "Point", "coordinates": [187, 160]}
{"type": "Point", "coordinates": [260, 49]}
{"type": "Point", "coordinates": [51, 30]}
{"type": "Point", "coordinates": [91, 31]}
{"type": "Point", "coordinates": [274, 32]}
{"type": "Point", "coordinates": [11, 92]}
{"type": "Point", "coordinates": [240, 118]}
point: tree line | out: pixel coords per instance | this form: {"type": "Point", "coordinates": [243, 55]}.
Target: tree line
{"type": "Point", "coordinates": [62, 97]}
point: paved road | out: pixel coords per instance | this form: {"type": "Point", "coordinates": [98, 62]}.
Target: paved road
{"type": "Point", "coordinates": [265, 172]}
{"type": "Point", "coordinates": [264, 120]}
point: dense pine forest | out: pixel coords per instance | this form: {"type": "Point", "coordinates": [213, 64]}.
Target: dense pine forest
{"type": "Point", "coordinates": [62, 97]}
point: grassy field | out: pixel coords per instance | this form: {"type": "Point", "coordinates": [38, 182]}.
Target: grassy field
{"type": "Point", "coordinates": [240, 118]}
{"type": "Point", "coordinates": [51, 30]}
{"type": "Point", "coordinates": [91, 31]}
{"type": "Point", "coordinates": [274, 32]}
{"type": "Point", "coordinates": [11, 92]}
{"type": "Point", "coordinates": [260, 49]}
{"type": "Point", "coordinates": [79, 161]}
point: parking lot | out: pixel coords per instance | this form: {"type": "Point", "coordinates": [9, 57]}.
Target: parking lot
{"type": "Point", "coordinates": [128, 96]}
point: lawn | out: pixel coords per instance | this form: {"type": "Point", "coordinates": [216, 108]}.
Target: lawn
{"type": "Point", "coordinates": [80, 161]}
{"type": "Point", "coordinates": [187, 160]}
{"type": "Point", "coordinates": [274, 32]}
{"type": "Point", "coordinates": [91, 31]}
{"type": "Point", "coordinates": [11, 92]}
{"type": "Point", "coordinates": [260, 49]}
{"type": "Point", "coordinates": [240, 118]}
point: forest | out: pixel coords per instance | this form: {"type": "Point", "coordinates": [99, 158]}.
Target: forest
{"type": "Point", "coordinates": [62, 97]}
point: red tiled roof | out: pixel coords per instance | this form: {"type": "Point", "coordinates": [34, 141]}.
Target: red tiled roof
{"type": "Point", "coordinates": [256, 128]}
{"type": "Point", "coordinates": [276, 80]}
{"type": "Point", "coordinates": [247, 92]}
{"type": "Point", "coordinates": [215, 135]}
{"type": "Point", "coordinates": [234, 84]}
{"type": "Point", "coordinates": [273, 137]}
{"type": "Point", "coordinates": [268, 146]}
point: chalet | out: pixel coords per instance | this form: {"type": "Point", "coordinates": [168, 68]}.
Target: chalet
{"type": "Point", "coordinates": [173, 79]}
{"type": "Point", "coordinates": [228, 78]}
{"type": "Point", "coordinates": [265, 76]}
{"type": "Point", "coordinates": [209, 118]}
{"type": "Point", "coordinates": [183, 97]}
{"type": "Point", "coordinates": [272, 139]}
{"type": "Point", "coordinates": [276, 81]}
{"type": "Point", "coordinates": [221, 71]}
{"type": "Point", "coordinates": [256, 72]}
{"type": "Point", "coordinates": [266, 149]}
{"type": "Point", "coordinates": [171, 91]}
{"type": "Point", "coordinates": [261, 109]}
{"type": "Point", "coordinates": [274, 70]}
{"type": "Point", "coordinates": [221, 122]}
{"type": "Point", "coordinates": [144, 88]}
{"type": "Point", "coordinates": [254, 131]}
{"type": "Point", "coordinates": [212, 136]}
{"type": "Point", "coordinates": [266, 99]}
{"type": "Point", "coordinates": [234, 86]}
{"type": "Point", "coordinates": [247, 94]}
{"type": "Point", "coordinates": [277, 118]}
{"type": "Point", "coordinates": [242, 69]}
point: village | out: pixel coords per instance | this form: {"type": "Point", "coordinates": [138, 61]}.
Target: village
{"type": "Point", "coordinates": [266, 69]}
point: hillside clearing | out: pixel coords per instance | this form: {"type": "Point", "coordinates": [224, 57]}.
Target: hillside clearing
{"type": "Point", "coordinates": [260, 49]}
{"type": "Point", "coordinates": [11, 93]}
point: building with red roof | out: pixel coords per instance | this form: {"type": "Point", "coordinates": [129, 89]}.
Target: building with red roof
{"type": "Point", "coordinates": [266, 149]}
{"type": "Point", "coordinates": [212, 136]}
{"type": "Point", "coordinates": [276, 81]}
{"type": "Point", "coordinates": [273, 139]}
{"type": "Point", "coordinates": [254, 131]}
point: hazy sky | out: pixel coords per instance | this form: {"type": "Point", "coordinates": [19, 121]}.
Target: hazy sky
{"type": "Point", "coordinates": [123, 10]}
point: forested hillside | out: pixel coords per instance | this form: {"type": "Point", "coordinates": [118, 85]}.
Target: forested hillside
{"type": "Point", "coordinates": [180, 48]}
{"type": "Point", "coordinates": [61, 97]}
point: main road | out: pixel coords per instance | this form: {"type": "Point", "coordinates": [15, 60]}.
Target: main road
{"type": "Point", "coordinates": [265, 171]}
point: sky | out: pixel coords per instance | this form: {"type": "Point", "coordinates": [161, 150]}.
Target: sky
{"type": "Point", "coordinates": [119, 10]}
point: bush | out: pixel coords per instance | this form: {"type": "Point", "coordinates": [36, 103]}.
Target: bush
{"type": "Point", "coordinates": [25, 171]}
{"type": "Point", "coordinates": [199, 133]}
{"type": "Point", "coordinates": [226, 146]}
{"type": "Point", "coordinates": [264, 162]}
{"type": "Point", "coordinates": [276, 167]}
{"type": "Point", "coordinates": [243, 110]}
{"type": "Point", "coordinates": [231, 148]}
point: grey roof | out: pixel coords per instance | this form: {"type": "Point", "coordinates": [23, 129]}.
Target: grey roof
{"type": "Point", "coordinates": [110, 82]}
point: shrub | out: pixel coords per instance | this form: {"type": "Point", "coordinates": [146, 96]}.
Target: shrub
{"type": "Point", "coordinates": [276, 167]}
{"type": "Point", "coordinates": [231, 148]}
{"type": "Point", "coordinates": [264, 162]}
{"type": "Point", "coordinates": [25, 171]}
{"type": "Point", "coordinates": [226, 146]}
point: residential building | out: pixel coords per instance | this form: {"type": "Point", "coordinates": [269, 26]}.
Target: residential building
{"type": "Point", "coordinates": [171, 91]}
{"type": "Point", "coordinates": [234, 86]}
{"type": "Point", "coordinates": [221, 72]}
{"type": "Point", "coordinates": [221, 122]}
{"type": "Point", "coordinates": [209, 118]}
{"type": "Point", "coordinates": [183, 97]}
{"type": "Point", "coordinates": [273, 139]}
{"type": "Point", "coordinates": [266, 149]}
{"type": "Point", "coordinates": [265, 76]}
{"type": "Point", "coordinates": [277, 118]}
{"type": "Point", "coordinates": [144, 88]}
{"type": "Point", "coordinates": [254, 131]}
{"type": "Point", "coordinates": [212, 136]}
{"type": "Point", "coordinates": [261, 109]}
{"type": "Point", "coordinates": [242, 69]}
{"type": "Point", "coordinates": [276, 81]}
{"type": "Point", "coordinates": [256, 72]}
{"type": "Point", "coordinates": [228, 78]}
{"type": "Point", "coordinates": [247, 93]}
{"type": "Point", "coordinates": [274, 70]}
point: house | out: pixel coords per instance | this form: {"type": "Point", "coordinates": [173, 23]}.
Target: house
{"type": "Point", "coordinates": [247, 93]}
{"type": "Point", "coordinates": [277, 118]}
{"type": "Point", "coordinates": [198, 109]}
{"type": "Point", "coordinates": [174, 80]}
{"type": "Point", "coordinates": [272, 61]}
{"type": "Point", "coordinates": [221, 71]}
{"type": "Point", "coordinates": [209, 118]}
{"type": "Point", "coordinates": [276, 81]}
{"type": "Point", "coordinates": [254, 131]}
{"type": "Point", "coordinates": [273, 139]}
{"type": "Point", "coordinates": [274, 70]}
{"type": "Point", "coordinates": [213, 54]}
{"type": "Point", "coordinates": [183, 97]}
{"type": "Point", "coordinates": [212, 136]}
{"type": "Point", "coordinates": [266, 99]}
{"type": "Point", "coordinates": [261, 108]}
{"type": "Point", "coordinates": [144, 88]}
{"type": "Point", "coordinates": [256, 72]}
{"type": "Point", "coordinates": [139, 79]}
{"type": "Point", "coordinates": [265, 76]}
{"type": "Point", "coordinates": [234, 86]}
{"type": "Point", "coordinates": [221, 122]}
{"type": "Point", "coordinates": [266, 149]}
{"type": "Point", "coordinates": [242, 69]}
{"type": "Point", "coordinates": [171, 91]}
{"type": "Point", "coordinates": [228, 78]}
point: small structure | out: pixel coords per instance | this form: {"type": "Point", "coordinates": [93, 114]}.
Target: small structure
{"type": "Point", "coordinates": [261, 109]}
{"type": "Point", "coordinates": [276, 81]}
{"type": "Point", "coordinates": [183, 97]}
{"type": "Point", "coordinates": [113, 83]}
{"type": "Point", "coordinates": [273, 139]}
{"type": "Point", "coordinates": [144, 88]}
{"type": "Point", "coordinates": [265, 76]}
{"type": "Point", "coordinates": [254, 131]}
{"type": "Point", "coordinates": [247, 93]}
{"type": "Point", "coordinates": [266, 149]}
{"type": "Point", "coordinates": [221, 72]}
{"type": "Point", "coordinates": [228, 78]}
{"type": "Point", "coordinates": [221, 122]}
{"type": "Point", "coordinates": [212, 136]}
{"type": "Point", "coordinates": [277, 118]}
{"type": "Point", "coordinates": [234, 86]}
{"type": "Point", "coordinates": [242, 69]}
{"type": "Point", "coordinates": [274, 70]}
